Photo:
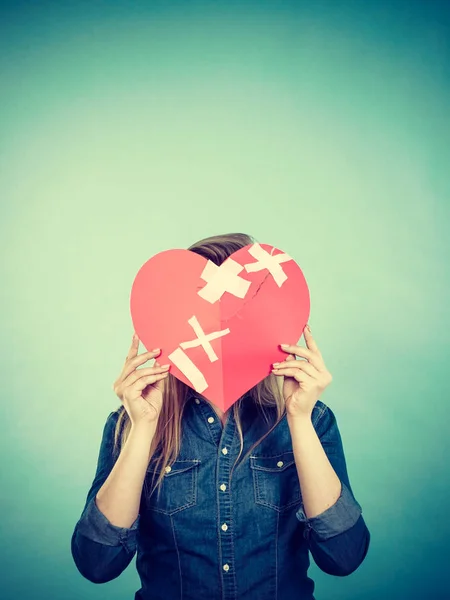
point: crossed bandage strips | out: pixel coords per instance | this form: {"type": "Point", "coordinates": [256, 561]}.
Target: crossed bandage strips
{"type": "Point", "coordinates": [221, 279]}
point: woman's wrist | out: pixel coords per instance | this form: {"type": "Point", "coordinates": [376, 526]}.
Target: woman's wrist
{"type": "Point", "coordinates": [300, 420]}
{"type": "Point", "coordinates": [143, 429]}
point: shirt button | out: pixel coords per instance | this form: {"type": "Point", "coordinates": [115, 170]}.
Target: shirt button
{"type": "Point", "coordinates": [168, 469]}
{"type": "Point", "coordinates": [224, 527]}
{"type": "Point", "coordinates": [223, 487]}
{"type": "Point", "coordinates": [197, 401]}
{"type": "Point", "coordinates": [280, 463]}
{"type": "Point", "coordinates": [210, 419]}
{"type": "Point", "coordinates": [226, 567]}
{"type": "Point", "coordinates": [224, 451]}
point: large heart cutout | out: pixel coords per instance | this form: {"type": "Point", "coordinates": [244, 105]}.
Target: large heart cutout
{"type": "Point", "coordinates": [220, 327]}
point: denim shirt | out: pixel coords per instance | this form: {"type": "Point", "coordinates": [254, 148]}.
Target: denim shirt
{"type": "Point", "coordinates": [209, 536]}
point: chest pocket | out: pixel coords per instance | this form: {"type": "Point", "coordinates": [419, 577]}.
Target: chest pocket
{"type": "Point", "coordinates": [275, 481]}
{"type": "Point", "coordinates": [178, 487]}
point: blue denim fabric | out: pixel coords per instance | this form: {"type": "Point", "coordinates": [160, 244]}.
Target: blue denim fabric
{"type": "Point", "coordinates": [212, 537]}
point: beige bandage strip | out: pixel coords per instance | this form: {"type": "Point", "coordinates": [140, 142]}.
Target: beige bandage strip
{"type": "Point", "coordinates": [221, 279]}
{"type": "Point", "coordinates": [188, 368]}
{"type": "Point", "coordinates": [269, 262]}
{"type": "Point", "coordinates": [203, 339]}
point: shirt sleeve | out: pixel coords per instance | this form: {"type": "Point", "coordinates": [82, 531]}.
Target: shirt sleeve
{"type": "Point", "coordinates": [101, 550]}
{"type": "Point", "coordinates": [338, 537]}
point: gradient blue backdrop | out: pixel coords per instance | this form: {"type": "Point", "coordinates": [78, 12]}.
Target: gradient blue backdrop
{"type": "Point", "coordinates": [323, 128]}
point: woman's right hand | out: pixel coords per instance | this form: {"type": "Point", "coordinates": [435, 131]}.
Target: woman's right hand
{"type": "Point", "coordinates": [140, 390]}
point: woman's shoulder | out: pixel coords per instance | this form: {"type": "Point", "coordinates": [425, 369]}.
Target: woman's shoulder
{"type": "Point", "coordinates": [113, 417]}
{"type": "Point", "coordinates": [324, 420]}
{"type": "Point", "coordinates": [115, 414]}
{"type": "Point", "coordinates": [319, 410]}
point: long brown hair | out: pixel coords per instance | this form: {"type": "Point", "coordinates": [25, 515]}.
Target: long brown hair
{"type": "Point", "coordinates": [167, 438]}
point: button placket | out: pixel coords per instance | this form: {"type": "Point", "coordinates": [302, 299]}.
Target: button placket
{"type": "Point", "coordinates": [224, 463]}
{"type": "Point", "coordinates": [213, 422]}
{"type": "Point", "coordinates": [223, 437]}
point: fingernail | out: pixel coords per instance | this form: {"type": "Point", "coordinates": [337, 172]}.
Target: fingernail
{"type": "Point", "coordinates": [308, 327]}
{"type": "Point", "coordinates": [275, 364]}
{"type": "Point", "coordinates": [284, 345]}
{"type": "Point", "coordinates": [156, 350]}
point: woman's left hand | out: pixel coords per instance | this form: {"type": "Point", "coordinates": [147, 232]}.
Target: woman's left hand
{"type": "Point", "coordinates": [304, 380]}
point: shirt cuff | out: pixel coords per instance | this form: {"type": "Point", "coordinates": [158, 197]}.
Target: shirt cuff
{"type": "Point", "coordinates": [336, 519]}
{"type": "Point", "coordinates": [94, 525]}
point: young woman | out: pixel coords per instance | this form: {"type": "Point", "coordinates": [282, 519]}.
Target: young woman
{"type": "Point", "coordinates": [221, 505]}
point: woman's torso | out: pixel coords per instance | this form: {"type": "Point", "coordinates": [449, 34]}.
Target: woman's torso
{"type": "Point", "coordinates": [213, 534]}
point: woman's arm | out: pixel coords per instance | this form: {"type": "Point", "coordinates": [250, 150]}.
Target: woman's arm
{"type": "Point", "coordinates": [319, 483]}
{"type": "Point", "coordinates": [104, 540]}
{"type": "Point", "coordinates": [338, 537]}
{"type": "Point", "coordinates": [335, 529]}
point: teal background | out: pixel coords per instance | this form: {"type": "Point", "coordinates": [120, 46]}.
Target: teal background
{"type": "Point", "coordinates": [323, 128]}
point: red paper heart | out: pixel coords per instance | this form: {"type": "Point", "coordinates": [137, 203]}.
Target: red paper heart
{"type": "Point", "coordinates": [169, 291]}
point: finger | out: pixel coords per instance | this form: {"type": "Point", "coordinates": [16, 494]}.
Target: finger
{"type": "Point", "coordinates": [140, 359]}
{"type": "Point", "coordinates": [301, 377]}
{"type": "Point", "coordinates": [296, 374]}
{"type": "Point", "coordinates": [143, 382]}
{"type": "Point", "coordinates": [136, 361]}
{"type": "Point", "coordinates": [133, 348]}
{"type": "Point", "coordinates": [138, 373]}
{"type": "Point", "coordinates": [314, 358]}
{"type": "Point", "coordinates": [159, 385]}
{"type": "Point", "coordinates": [302, 365]}
{"type": "Point", "coordinates": [310, 341]}
{"type": "Point", "coordinates": [289, 363]}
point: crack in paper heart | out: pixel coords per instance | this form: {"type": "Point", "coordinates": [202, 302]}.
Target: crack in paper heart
{"type": "Point", "coordinates": [246, 300]}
